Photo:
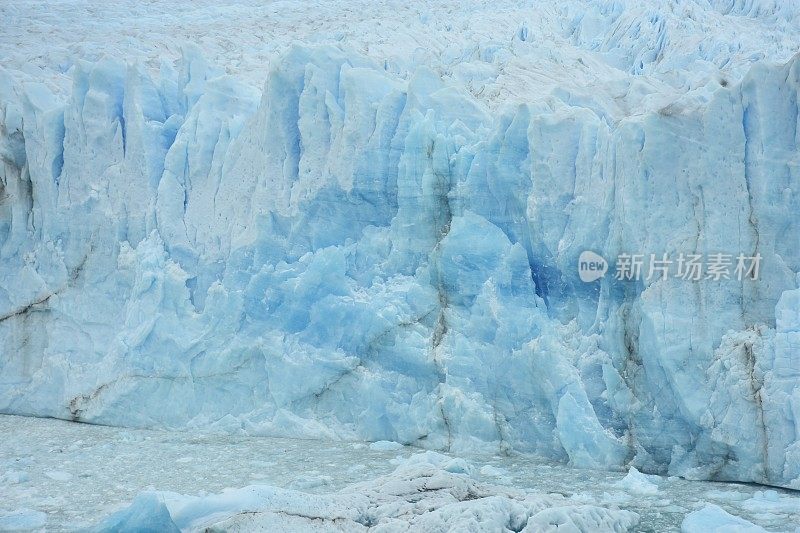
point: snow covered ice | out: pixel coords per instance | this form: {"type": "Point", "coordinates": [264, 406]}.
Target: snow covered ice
{"type": "Point", "coordinates": [362, 221]}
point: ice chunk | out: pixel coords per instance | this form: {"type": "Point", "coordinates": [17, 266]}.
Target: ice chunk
{"type": "Point", "coordinates": [770, 501]}
{"type": "Point", "coordinates": [58, 475]}
{"type": "Point", "coordinates": [637, 483]}
{"type": "Point", "coordinates": [493, 471]}
{"type": "Point", "coordinates": [23, 520]}
{"type": "Point", "coordinates": [14, 477]}
{"type": "Point", "coordinates": [147, 513]}
{"type": "Point", "coordinates": [385, 446]}
{"type": "Point", "coordinates": [714, 519]}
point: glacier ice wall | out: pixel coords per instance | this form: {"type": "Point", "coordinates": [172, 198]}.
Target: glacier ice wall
{"type": "Point", "coordinates": [351, 253]}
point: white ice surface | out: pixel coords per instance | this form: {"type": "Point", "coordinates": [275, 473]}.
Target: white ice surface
{"type": "Point", "coordinates": [502, 51]}
{"type": "Point", "coordinates": [362, 220]}
{"type": "Point", "coordinates": [714, 519]}
{"type": "Point", "coordinates": [638, 483]}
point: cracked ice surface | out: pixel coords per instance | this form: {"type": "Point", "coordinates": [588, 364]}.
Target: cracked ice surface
{"type": "Point", "coordinates": [288, 220]}
{"type": "Point", "coordinates": [64, 476]}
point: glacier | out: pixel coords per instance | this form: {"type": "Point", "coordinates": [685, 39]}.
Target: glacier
{"type": "Point", "coordinates": [386, 248]}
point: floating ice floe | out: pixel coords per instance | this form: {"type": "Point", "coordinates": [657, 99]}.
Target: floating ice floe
{"type": "Point", "coordinates": [420, 495]}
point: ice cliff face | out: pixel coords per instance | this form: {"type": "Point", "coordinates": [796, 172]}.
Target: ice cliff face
{"type": "Point", "coordinates": [361, 251]}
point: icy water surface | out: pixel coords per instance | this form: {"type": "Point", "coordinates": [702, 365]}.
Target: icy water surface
{"type": "Point", "coordinates": [78, 473]}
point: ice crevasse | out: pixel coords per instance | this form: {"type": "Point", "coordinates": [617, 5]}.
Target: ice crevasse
{"type": "Point", "coordinates": [354, 254]}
